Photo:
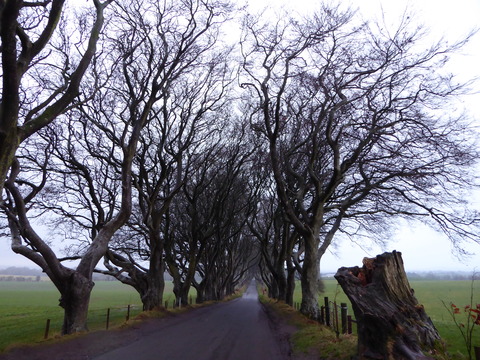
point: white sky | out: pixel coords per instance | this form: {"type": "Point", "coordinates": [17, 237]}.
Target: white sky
{"type": "Point", "coordinates": [422, 248]}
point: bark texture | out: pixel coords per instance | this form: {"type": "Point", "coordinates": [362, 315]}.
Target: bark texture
{"type": "Point", "coordinates": [391, 323]}
{"type": "Point", "coordinates": [309, 278]}
{"type": "Point", "coordinates": [75, 300]}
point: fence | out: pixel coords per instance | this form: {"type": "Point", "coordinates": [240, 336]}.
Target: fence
{"type": "Point", "coordinates": [103, 319]}
{"type": "Point", "coordinates": [99, 318]}
{"type": "Point", "coordinates": [172, 302]}
{"type": "Point", "coordinates": [335, 316]}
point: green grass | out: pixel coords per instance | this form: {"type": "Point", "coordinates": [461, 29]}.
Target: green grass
{"type": "Point", "coordinates": [311, 337]}
{"type": "Point", "coordinates": [430, 294]}
{"type": "Point", "coordinates": [26, 306]}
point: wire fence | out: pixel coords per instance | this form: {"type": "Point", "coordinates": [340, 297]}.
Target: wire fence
{"type": "Point", "coordinates": [99, 319]}
{"type": "Point", "coordinates": [335, 316]}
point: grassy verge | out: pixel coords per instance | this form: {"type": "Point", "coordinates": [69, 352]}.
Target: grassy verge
{"type": "Point", "coordinates": [311, 337]}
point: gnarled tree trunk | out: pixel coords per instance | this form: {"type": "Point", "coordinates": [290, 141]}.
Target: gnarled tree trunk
{"type": "Point", "coordinates": [153, 297]}
{"type": "Point", "coordinates": [75, 299]}
{"type": "Point", "coordinates": [290, 282]}
{"type": "Point", "coordinates": [309, 278]}
{"type": "Point", "coordinates": [391, 323]}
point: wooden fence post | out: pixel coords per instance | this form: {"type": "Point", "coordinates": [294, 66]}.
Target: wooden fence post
{"type": "Point", "coordinates": [47, 329]}
{"type": "Point", "coordinates": [349, 324]}
{"type": "Point", "coordinates": [344, 311]}
{"type": "Point", "coordinates": [166, 304]}
{"type": "Point", "coordinates": [327, 311]}
{"type": "Point", "coordinates": [108, 317]}
{"type": "Point", "coordinates": [128, 312]}
{"type": "Point", "coordinates": [335, 319]}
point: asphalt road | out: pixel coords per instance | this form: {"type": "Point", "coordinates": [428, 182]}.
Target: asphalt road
{"type": "Point", "coordinates": [238, 329]}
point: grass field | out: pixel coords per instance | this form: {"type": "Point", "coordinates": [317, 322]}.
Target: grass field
{"type": "Point", "coordinates": [430, 294]}
{"type": "Point", "coordinates": [26, 306]}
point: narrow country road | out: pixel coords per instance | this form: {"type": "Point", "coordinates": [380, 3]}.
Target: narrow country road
{"type": "Point", "coordinates": [238, 329]}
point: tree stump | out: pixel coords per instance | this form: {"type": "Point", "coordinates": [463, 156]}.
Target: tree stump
{"type": "Point", "coordinates": [391, 323]}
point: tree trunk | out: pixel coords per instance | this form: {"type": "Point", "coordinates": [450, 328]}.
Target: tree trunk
{"type": "Point", "coordinates": [273, 288]}
{"type": "Point", "coordinates": [209, 294]}
{"type": "Point", "coordinates": [230, 289]}
{"type": "Point", "coordinates": [183, 300]}
{"type": "Point", "coordinates": [181, 290]}
{"type": "Point", "coordinates": [391, 323]}
{"type": "Point", "coordinates": [309, 279]}
{"type": "Point", "coordinates": [281, 280]}
{"type": "Point", "coordinates": [200, 298]}
{"type": "Point", "coordinates": [8, 145]}
{"type": "Point", "coordinates": [75, 298]}
{"type": "Point", "coordinates": [290, 283]}
{"type": "Point", "coordinates": [200, 292]}
{"type": "Point", "coordinates": [152, 298]}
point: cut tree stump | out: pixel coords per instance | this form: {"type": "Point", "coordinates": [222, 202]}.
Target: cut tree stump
{"type": "Point", "coordinates": [391, 323]}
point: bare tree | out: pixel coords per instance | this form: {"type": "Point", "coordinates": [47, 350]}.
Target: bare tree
{"type": "Point", "coordinates": [187, 225]}
{"type": "Point", "coordinates": [196, 74]}
{"type": "Point", "coordinates": [277, 242]}
{"type": "Point", "coordinates": [31, 99]}
{"type": "Point", "coordinates": [353, 118]}
{"type": "Point", "coordinates": [229, 253]}
{"type": "Point", "coordinates": [207, 243]}
{"type": "Point", "coordinates": [133, 94]}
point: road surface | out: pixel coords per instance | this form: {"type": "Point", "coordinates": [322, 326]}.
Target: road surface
{"type": "Point", "coordinates": [238, 329]}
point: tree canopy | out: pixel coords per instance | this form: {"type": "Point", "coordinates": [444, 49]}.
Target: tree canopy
{"type": "Point", "coordinates": [146, 139]}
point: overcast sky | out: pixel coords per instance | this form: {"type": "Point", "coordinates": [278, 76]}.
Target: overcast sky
{"type": "Point", "coordinates": [422, 248]}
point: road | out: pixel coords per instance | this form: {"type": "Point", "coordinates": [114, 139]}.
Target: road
{"type": "Point", "coordinates": [238, 329]}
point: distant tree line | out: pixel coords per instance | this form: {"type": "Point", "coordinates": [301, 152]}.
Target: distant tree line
{"type": "Point", "coordinates": [20, 278]}
{"type": "Point", "coordinates": [149, 143]}
{"type": "Point", "coordinates": [436, 275]}
{"type": "Point", "coordinates": [443, 275]}
{"type": "Point", "coordinates": [23, 271]}
{"type": "Point", "coordinates": [15, 273]}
